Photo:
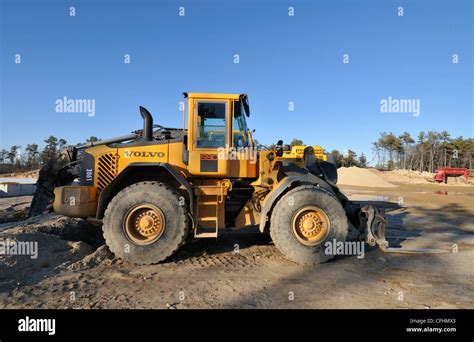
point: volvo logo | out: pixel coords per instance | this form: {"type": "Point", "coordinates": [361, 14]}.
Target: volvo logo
{"type": "Point", "coordinates": [144, 154]}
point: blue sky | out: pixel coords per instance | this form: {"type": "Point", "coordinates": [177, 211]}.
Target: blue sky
{"type": "Point", "coordinates": [282, 58]}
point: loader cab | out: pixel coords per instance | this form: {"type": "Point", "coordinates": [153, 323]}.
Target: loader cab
{"type": "Point", "coordinates": [218, 143]}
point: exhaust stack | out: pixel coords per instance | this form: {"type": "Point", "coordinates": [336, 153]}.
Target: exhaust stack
{"type": "Point", "coordinates": [147, 124]}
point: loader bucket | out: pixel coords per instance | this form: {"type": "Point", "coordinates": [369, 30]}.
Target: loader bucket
{"type": "Point", "coordinates": [372, 224]}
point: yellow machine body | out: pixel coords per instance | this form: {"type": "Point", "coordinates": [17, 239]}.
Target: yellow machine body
{"type": "Point", "coordinates": [210, 158]}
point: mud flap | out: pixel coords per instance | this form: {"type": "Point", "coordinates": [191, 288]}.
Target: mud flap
{"type": "Point", "coordinates": [372, 225]}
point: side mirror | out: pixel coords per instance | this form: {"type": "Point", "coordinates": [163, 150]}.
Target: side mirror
{"type": "Point", "coordinates": [244, 100]}
{"type": "Point", "coordinates": [279, 148]}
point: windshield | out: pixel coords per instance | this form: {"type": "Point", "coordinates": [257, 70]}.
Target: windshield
{"type": "Point", "coordinates": [239, 130]}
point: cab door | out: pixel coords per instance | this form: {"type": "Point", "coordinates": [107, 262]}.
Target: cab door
{"type": "Point", "coordinates": [243, 157]}
{"type": "Point", "coordinates": [209, 137]}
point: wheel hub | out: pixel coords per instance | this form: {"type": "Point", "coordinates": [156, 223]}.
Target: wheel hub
{"type": "Point", "coordinates": [144, 224]}
{"type": "Point", "coordinates": [148, 223]}
{"type": "Point", "coordinates": [310, 225]}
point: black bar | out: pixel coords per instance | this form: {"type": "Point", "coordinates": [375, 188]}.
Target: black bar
{"type": "Point", "coordinates": [316, 323]}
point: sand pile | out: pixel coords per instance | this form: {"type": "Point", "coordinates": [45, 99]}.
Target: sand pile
{"type": "Point", "coordinates": [361, 177]}
{"type": "Point", "coordinates": [383, 179]}
{"type": "Point", "coordinates": [56, 243]}
{"type": "Point", "coordinates": [406, 176]}
{"type": "Point", "coordinates": [28, 174]}
{"type": "Point", "coordinates": [19, 174]}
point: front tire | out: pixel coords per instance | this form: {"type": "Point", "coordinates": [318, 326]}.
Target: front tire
{"type": "Point", "coordinates": [303, 220]}
{"type": "Point", "coordinates": [146, 223]}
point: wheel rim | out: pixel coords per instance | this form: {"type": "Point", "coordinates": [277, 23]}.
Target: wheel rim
{"type": "Point", "coordinates": [310, 225]}
{"type": "Point", "coordinates": [144, 224]}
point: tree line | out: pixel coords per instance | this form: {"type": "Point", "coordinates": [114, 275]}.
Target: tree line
{"type": "Point", "coordinates": [427, 151]}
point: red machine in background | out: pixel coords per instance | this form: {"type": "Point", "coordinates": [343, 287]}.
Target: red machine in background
{"type": "Point", "coordinates": [442, 174]}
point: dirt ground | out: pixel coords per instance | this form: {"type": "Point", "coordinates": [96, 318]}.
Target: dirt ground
{"type": "Point", "coordinates": [14, 208]}
{"type": "Point", "coordinates": [243, 269]}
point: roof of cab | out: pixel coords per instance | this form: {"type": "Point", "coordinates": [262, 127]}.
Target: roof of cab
{"type": "Point", "coordinates": [212, 96]}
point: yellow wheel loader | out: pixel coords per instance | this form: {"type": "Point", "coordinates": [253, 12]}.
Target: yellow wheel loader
{"type": "Point", "coordinates": [153, 188]}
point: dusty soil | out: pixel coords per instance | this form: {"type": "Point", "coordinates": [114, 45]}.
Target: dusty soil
{"type": "Point", "coordinates": [14, 208]}
{"type": "Point", "coordinates": [243, 269]}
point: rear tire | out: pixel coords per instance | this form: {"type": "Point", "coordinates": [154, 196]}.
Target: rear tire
{"type": "Point", "coordinates": [127, 217]}
{"type": "Point", "coordinates": [309, 207]}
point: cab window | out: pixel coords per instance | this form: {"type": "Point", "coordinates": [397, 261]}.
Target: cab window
{"type": "Point", "coordinates": [211, 124]}
{"type": "Point", "coordinates": [239, 127]}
